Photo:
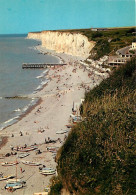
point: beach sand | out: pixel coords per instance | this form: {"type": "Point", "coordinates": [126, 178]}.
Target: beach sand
{"type": "Point", "coordinates": [52, 115]}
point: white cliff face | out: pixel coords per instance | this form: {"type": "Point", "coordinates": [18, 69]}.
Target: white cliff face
{"type": "Point", "coordinates": [35, 35]}
{"type": "Point", "coordinates": [64, 42]}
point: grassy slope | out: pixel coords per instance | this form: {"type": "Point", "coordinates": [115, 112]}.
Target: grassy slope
{"type": "Point", "coordinates": [98, 156]}
{"type": "Point", "coordinates": [110, 41]}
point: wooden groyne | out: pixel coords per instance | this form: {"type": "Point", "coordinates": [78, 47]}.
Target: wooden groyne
{"type": "Point", "coordinates": [40, 65]}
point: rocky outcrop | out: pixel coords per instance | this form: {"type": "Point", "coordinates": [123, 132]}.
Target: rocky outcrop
{"type": "Point", "coordinates": [64, 42]}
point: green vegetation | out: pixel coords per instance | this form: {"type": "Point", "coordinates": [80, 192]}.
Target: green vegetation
{"type": "Point", "coordinates": [101, 48]}
{"type": "Point", "coordinates": [56, 186]}
{"type": "Point", "coordinates": [108, 41]}
{"type": "Point", "coordinates": [98, 156]}
{"type": "Point", "coordinates": [113, 40]}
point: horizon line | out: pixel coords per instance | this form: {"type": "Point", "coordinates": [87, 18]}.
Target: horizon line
{"type": "Point", "coordinates": [70, 29]}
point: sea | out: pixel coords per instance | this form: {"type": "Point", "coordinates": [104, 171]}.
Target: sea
{"type": "Point", "coordinates": [18, 82]}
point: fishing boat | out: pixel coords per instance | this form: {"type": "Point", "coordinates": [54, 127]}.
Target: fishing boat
{"type": "Point", "coordinates": [52, 149]}
{"type": "Point", "coordinates": [61, 131]}
{"type": "Point", "coordinates": [9, 164]}
{"type": "Point", "coordinates": [25, 149]}
{"type": "Point", "coordinates": [23, 155]}
{"type": "Point", "coordinates": [14, 180]}
{"type": "Point", "coordinates": [6, 177]}
{"type": "Point", "coordinates": [16, 185]}
{"type": "Point", "coordinates": [31, 163]}
{"type": "Point", "coordinates": [47, 171]}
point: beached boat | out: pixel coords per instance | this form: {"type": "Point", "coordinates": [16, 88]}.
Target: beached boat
{"type": "Point", "coordinates": [31, 163]}
{"type": "Point", "coordinates": [16, 185]}
{"type": "Point", "coordinates": [9, 164]}
{"type": "Point", "coordinates": [61, 131]}
{"type": "Point", "coordinates": [14, 180]}
{"type": "Point", "coordinates": [6, 177]}
{"type": "Point", "coordinates": [47, 171]}
{"type": "Point", "coordinates": [23, 155]}
{"type": "Point", "coordinates": [53, 149]}
{"type": "Point", "coordinates": [23, 149]}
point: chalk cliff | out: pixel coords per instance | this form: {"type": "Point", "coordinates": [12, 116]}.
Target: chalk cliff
{"type": "Point", "coordinates": [64, 42]}
{"type": "Point", "coordinates": [34, 35]}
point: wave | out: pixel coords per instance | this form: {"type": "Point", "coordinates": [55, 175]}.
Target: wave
{"type": "Point", "coordinates": [10, 120]}
{"type": "Point", "coordinates": [25, 108]}
{"type": "Point", "coordinates": [17, 110]}
{"type": "Point", "coordinates": [40, 86]}
{"type": "Point", "coordinates": [42, 75]}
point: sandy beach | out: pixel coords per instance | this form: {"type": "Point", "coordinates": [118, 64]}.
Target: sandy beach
{"type": "Point", "coordinates": [67, 84]}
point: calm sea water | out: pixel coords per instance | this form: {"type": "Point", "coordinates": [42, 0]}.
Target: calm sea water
{"type": "Point", "coordinates": [15, 81]}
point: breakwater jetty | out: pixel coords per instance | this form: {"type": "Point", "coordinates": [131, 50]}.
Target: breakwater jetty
{"type": "Point", "coordinates": [41, 65]}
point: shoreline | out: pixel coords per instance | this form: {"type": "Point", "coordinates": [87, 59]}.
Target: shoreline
{"type": "Point", "coordinates": [30, 107]}
{"type": "Point", "coordinates": [52, 114]}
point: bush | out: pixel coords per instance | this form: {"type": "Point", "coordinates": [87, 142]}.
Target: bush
{"type": "Point", "coordinates": [96, 35]}
{"type": "Point", "coordinates": [56, 186]}
{"type": "Point", "coordinates": [98, 156]}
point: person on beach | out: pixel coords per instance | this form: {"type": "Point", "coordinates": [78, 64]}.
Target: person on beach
{"type": "Point", "coordinates": [21, 134]}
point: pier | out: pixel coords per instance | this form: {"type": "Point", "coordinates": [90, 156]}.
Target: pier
{"type": "Point", "coordinates": [40, 65]}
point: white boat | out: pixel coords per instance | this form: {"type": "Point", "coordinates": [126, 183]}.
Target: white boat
{"type": "Point", "coordinates": [15, 185]}
{"type": "Point", "coordinates": [9, 164]}
{"type": "Point", "coordinates": [47, 171]}
{"type": "Point", "coordinates": [23, 155]}
{"type": "Point", "coordinates": [23, 149]}
{"type": "Point", "coordinates": [52, 149]}
{"type": "Point", "coordinates": [15, 180]}
{"type": "Point", "coordinates": [6, 177]}
{"type": "Point", "coordinates": [31, 163]}
{"type": "Point", "coordinates": [61, 131]}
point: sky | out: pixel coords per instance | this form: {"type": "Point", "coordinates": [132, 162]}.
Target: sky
{"type": "Point", "coordinates": [23, 16]}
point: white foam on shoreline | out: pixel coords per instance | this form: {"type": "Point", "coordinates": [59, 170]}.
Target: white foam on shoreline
{"type": "Point", "coordinates": [17, 110]}
{"type": "Point", "coordinates": [10, 120]}
{"type": "Point", "coordinates": [40, 86]}
{"type": "Point", "coordinates": [42, 74]}
{"type": "Point", "coordinates": [25, 108]}
{"type": "Point", "coordinates": [34, 100]}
